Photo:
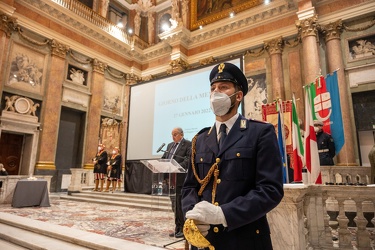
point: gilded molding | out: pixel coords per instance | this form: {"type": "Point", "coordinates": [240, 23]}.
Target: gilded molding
{"type": "Point", "coordinates": [253, 53]}
{"type": "Point", "coordinates": [45, 165]}
{"type": "Point", "coordinates": [98, 66]}
{"type": "Point", "coordinates": [332, 30]}
{"type": "Point", "coordinates": [206, 61]}
{"type": "Point", "coordinates": [274, 46]}
{"type": "Point", "coordinates": [59, 49]}
{"type": "Point", "coordinates": [8, 24]}
{"type": "Point", "coordinates": [308, 26]}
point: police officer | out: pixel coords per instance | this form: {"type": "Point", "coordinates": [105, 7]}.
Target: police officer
{"type": "Point", "coordinates": [234, 178]}
{"type": "Point", "coordinates": [326, 147]}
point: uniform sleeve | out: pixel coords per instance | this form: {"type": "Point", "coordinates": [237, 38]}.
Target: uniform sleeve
{"type": "Point", "coordinates": [331, 147]}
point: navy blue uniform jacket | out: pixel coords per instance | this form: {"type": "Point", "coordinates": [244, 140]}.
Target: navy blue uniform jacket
{"type": "Point", "coordinates": [250, 183]}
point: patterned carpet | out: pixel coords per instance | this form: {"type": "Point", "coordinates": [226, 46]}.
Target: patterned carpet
{"type": "Point", "coordinates": [140, 225]}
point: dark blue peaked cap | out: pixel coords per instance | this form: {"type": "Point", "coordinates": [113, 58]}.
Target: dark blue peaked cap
{"type": "Point", "coordinates": [227, 72]}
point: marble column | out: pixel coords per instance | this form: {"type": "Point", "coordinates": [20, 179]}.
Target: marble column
{"type": "Point", "coordinates": [332, 33]}
{"type": "Point", "coordinates": [93, 122]}
{"type": "Point", "coordinates": [8, 25]}
{"type": "Point", "coordinates": [311, 65]}
{"type": "Point", "coordinates": [275, 50]}
{"type": "Point", "coordinates": [51, 107]}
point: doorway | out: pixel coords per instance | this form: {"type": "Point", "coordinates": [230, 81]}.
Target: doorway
{"type": "Point", "coordinates": [11, 152]}
{"type": "Point", "coordinates": [69, 152]}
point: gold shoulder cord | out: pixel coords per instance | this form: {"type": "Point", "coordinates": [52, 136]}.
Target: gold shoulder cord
{"type": "Point", "coordinates": [191, 231]}
{"type": "Point", "coordinates": [213, 170]}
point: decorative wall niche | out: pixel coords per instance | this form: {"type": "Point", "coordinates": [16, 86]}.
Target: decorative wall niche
{"type": "Point", "coordinates": [76, 75]}
{"type": "Point", "coordinates": [26, 69]}
{"type": "Point", "coordinates": [361, 47]}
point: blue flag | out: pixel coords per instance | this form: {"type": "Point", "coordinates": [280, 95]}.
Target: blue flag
{"type": "Point", "coordinates": [337, 128]}
{"type": "Point", "coordinates": [280, 139]}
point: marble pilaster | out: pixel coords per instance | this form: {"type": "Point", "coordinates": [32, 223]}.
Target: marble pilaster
{"type": "Point", "coordinates": [287, 219]}
{"type": "Point", "coordinates": [332, 32]}
{"type": "Point", "coordinates": [8, 25]}
{"type": "Point", "coordinates": [51, 107]}
{"type": "Point", "coordinates": [94, 112]}
{"type": "Point", "coordinates": [275, 50]}
{"type": "Point", "coordinates": [311, 65]}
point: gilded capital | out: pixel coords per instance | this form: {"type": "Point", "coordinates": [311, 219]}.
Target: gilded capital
{"type": "Point", "coordinates": [131, 79]}
{"type": "Point", "coordinates": [178, 65]}
{"type": "Point", "coordinates": [59, 49]}
{"type": "Point", "coordinates": [308, 26]}
{"type": "Point", "coordinates": [98, 66]}
{"type": "Point", "coordinates": [8, 24]}
{"type": "Point", "coordinates": [274, 46]}
{"type": "Point", "coordinates": [332, 30]}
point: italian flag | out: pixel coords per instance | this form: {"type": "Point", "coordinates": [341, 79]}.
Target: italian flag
{"type": "Point", "coordinates": [311, 146]}
{"type": "Point", "coordinates": [298, 151]}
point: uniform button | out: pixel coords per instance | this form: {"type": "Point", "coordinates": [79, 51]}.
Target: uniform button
{"type": "Point", "coordinates": [216, 203]}
{"type": "Point", "coordinates": [216, 229]}
{"type": "Point", "coordinates": [217, 160]}
{"type": "Point", "coordinates": [238, 154]}
{"type": "Point", "coordinates": [257, 231]}
{"type": "Point", "coordinates": [218, 181]}
{"type": "Point", "coordinates": [201, 159]}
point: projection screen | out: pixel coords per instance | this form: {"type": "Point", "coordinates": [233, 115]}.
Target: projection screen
{"type": "Point", "coordinates": [157, 107]}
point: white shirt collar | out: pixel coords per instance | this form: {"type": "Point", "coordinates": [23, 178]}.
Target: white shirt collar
{"type": "Point", "coordinates": [229, 123]}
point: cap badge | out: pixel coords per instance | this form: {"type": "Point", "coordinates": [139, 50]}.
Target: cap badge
{"type": "Point", "coordinates": [221, 67]}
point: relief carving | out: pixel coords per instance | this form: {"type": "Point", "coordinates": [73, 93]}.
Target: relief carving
{"type": "Point", "coordinates": [20, 105]}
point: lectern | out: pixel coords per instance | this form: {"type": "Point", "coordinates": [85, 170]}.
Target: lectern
{"type": "Point", "coordinates": [164, 175]}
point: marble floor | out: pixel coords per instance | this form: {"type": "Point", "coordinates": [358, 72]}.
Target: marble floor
{"type": "Point", "coordinates": [145, 226]}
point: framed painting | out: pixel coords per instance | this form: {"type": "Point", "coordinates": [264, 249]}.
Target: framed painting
{"type": "Point", "coordinates": [204, 12]}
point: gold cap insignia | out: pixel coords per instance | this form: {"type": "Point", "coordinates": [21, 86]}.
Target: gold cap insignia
{"type": "Point", "coordinates": [221, 67]}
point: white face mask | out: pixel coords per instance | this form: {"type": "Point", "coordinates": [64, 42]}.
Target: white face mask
{"type": "Point", "coordinates": [114, 152]}
{"type": "Point", "coordinates": [220, 103]}
{"type": "Point", "coordinates": [316, 129]}
{"type": "Point", "coordinates": [99, 148]}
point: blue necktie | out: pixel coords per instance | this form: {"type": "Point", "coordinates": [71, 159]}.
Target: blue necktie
{"type": "Point", "coordinates": [222, 134]}
{"type": "Point", "coordinates": [171, 152]}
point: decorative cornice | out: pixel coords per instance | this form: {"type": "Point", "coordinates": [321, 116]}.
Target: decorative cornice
{"type": "Point", "coordinates": [59, 49]}
{"type": "Point", "coordinates": [98, 66]}
{"type": "Point", "coordinates": [274, 46]}
{"type": "Point", "coordinates": [332, 30]}
{"type": "Point", "coordinates": [8, 24]}
{"type": "Point", "coordinates": [308, 26]}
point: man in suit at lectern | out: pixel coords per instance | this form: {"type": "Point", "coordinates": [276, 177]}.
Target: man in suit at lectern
{"type": "Point", "coordinates": [179, 150]}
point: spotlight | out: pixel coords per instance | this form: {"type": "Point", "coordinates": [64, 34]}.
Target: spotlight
{"type": "Point", "coordinates": [165, 26]}
{"type": "Point", "coordinates": [120, 25]}
{"type": "Point", "coordinates": [231, 14]}
{"type": "Point", "coordinates": [130, 31]}
{"type": "Point", "coordinates": [200, 27]}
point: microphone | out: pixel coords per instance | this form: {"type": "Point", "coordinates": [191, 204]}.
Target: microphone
{"type": "Point", "coordinates": [159, 149]}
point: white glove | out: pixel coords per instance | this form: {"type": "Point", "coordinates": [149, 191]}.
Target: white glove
{"type": "Point", "coordinates": [202, 227]}
{"type": "Point", "coordinates": [207, 213]}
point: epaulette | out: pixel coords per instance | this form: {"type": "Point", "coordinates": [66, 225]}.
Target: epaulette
{"type": "Point", "coordinates": [253, 120]}
{"type": "Point", "coordinates": [203, 130]}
